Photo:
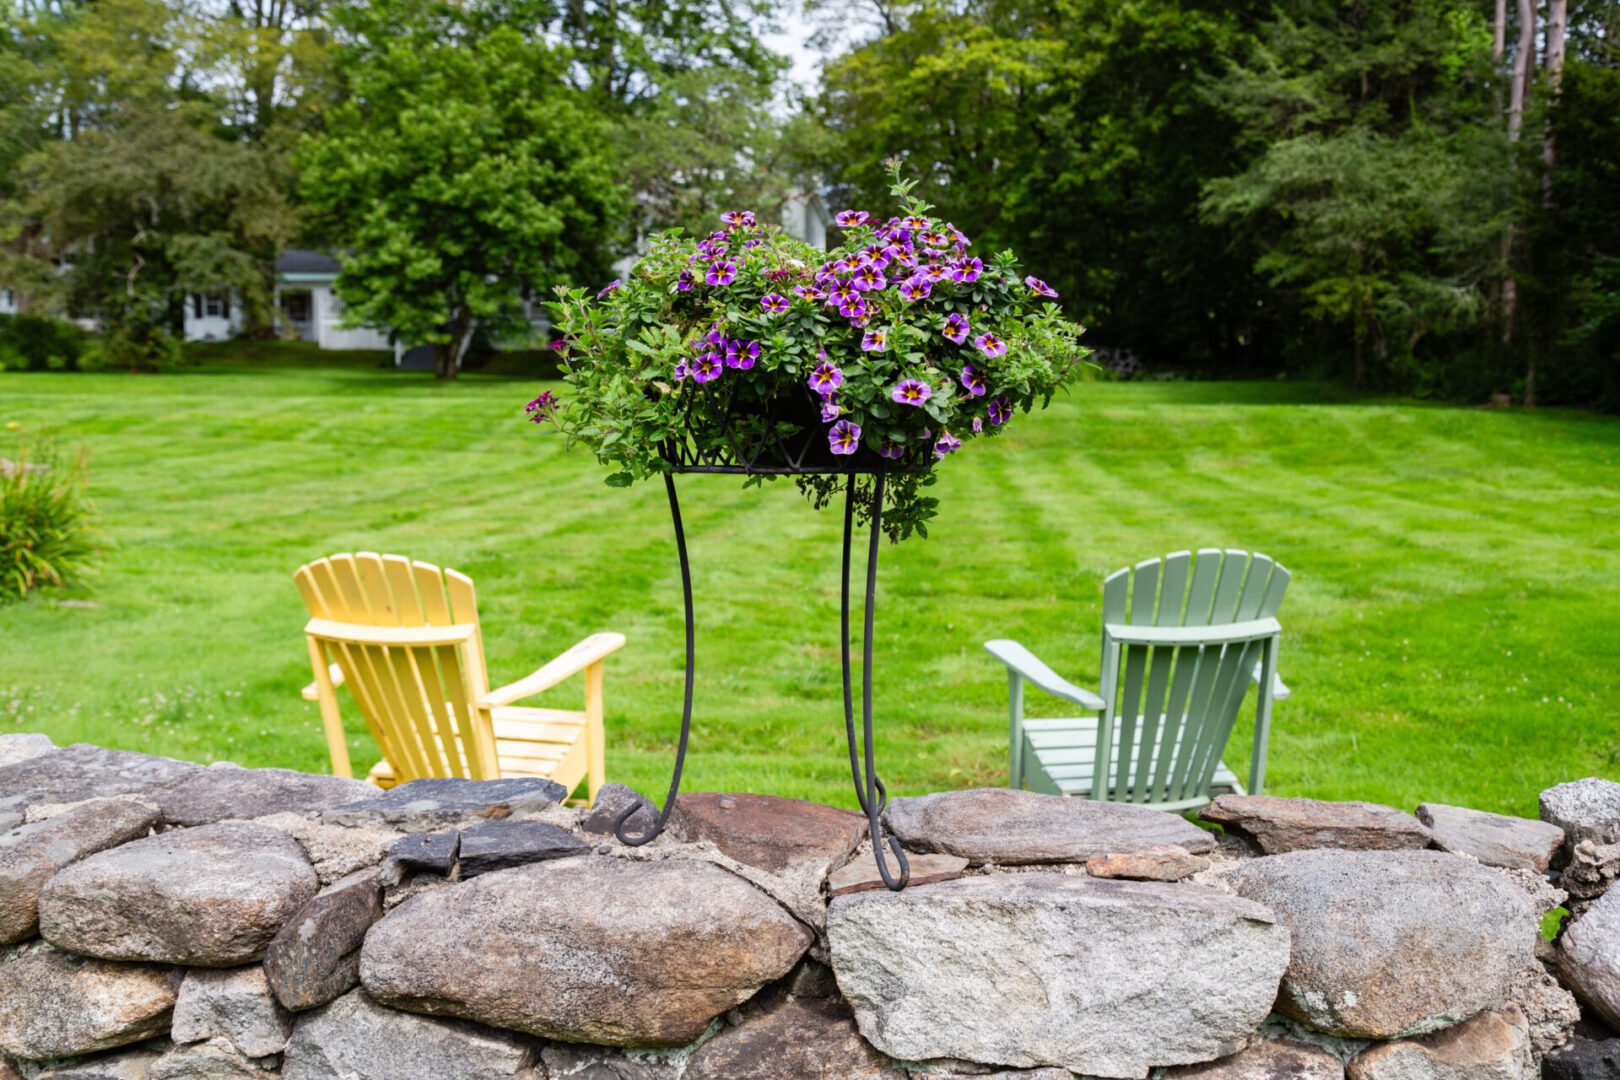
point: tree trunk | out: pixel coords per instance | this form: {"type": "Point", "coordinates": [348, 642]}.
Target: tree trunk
{"type": "Point", "coordinates": [1557, 20]}
{"type": "Point", "coordinates": [1523, 64]}
{"type": "Point", "coordinates": [455, 350]}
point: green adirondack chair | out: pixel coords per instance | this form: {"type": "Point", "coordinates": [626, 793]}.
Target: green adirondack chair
{"type": "Point", "coordinates": [1182, 640]}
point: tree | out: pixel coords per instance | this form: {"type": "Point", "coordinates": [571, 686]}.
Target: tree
{"type": "Point", "coordinates": [461, 174]}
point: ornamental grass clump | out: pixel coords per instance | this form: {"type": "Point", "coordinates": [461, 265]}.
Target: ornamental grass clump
{"type": "Point", "coordinates": [44, 522]}
{"type": "Point", "coordinates": [888, 352]}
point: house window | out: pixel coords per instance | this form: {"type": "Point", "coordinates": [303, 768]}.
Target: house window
{"type": "Point", "coordinates": [211, 306]}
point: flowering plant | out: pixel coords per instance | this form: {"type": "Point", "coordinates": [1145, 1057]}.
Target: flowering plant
{"type": "Point", "coordinates": [889, 351]}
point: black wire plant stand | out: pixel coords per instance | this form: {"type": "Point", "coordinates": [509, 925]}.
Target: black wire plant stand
{"type": "Point", "coordinates": [783, 437]}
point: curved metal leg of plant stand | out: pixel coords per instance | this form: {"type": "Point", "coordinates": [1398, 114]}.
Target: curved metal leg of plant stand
{"type": "Point", "coordinates": [872, 795]}
{"type": "Point", "coordinates": [686, 708]}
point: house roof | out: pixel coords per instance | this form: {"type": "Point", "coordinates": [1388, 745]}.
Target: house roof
{"type": "Point", "coordinates": [304, 261]}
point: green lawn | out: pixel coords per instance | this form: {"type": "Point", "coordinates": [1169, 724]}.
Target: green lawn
{"type": "Point", "coordinates": [1453, 631]}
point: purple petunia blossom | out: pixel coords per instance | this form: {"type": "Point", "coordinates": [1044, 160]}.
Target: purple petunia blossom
{"type": "Point", "coordinates": [978, 424]}
{"type": "Point", "coordinates": [956, 327]}
{"type": "Point", "coordinates": [741, 354]}
{"type": "Point", "coordinates": [773, 302]}
{"type": "Point", "coordinates": [990, 345]}
{"type": "Point", "coordinates": [707, 368]}
{"type": "Point", "coordinates": [916, 222]}
{"type": "Point", "coordinates": [916, 287]}
{"type": "Point", "coordinates": [935, 239]}
{"type": "Point", "coordinates": [721, 273]}
{"type": "Point", "coordinates": [869, 278]}
{"type": "Point", "coordinates": [998, 410]}
{"type": "Point", "coordinates": [809, 292]}
{"type": "Point", "coordinates": [684, 282]}
{"type": "Point", "coordinates": [843, 293]}
{"type": "Point", "coordinates": [557, 346]}
{"type": "Point", "coordinates": [682, 370]}
{"type": "Point", "coordinates": [848, 219]}
{"type": "Point", "coordinates": [845, 437]}
{"type": "Point", "coordinates": [609, 287]}
{"type": "Point", "coordinates": [855, 309]}
{"type": "Point", "coordinates": [911, 392]}
{"type": "Point", "coordinates": [946, 444]}
{"type": "Point", "coordinates": [875, 341]}
{"type": "Point", "coordinates": [826, 378]}
{"type": "Point", "coordinates": [541, 408]}
{"type": "Point", "coordinates": [1039, 287]}
{"type": "Point", "coordinates": [830, 409]}
{"type": "Point", "coordinates": [738, 219]}
{"type": "Point", "coordinates": [935, 272]}
{"type": "Point", "coordinates": [972, 380]}
{"type": "Point", "coordinates": [968, 270]}
{"type": "Point", "coordinates": [892, 451]}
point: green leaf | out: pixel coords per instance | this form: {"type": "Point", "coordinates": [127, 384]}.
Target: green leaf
{"type": "Point", "coordinates": [619, 480]}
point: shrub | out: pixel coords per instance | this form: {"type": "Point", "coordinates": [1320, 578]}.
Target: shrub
{"type": "Point", "coordinates": [36, 343]}
{"type": "Point", "coordinates": [44, 522]}
{"type": "Point", "coordinates": [888, 352]}
{"type": "Point", "coordinates": [134, 348]}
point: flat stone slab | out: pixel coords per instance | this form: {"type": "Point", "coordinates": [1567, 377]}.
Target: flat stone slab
{"type": "Point", "coordinates": [803, 1039]}
{"type": "Point", "coordinates": [1589, 957]}
{"type": "Point", "coordinates": [315, 957]}
{"type": "Point", "coordinates": [354, 1038]}
{"type": "Point", "coordinates": [501, 845]}
{"type": "Point", "coordinates": [230, 791]}
{"type": "Point", "coordinates": [215, 1059]}
{"type": "Point", "coordinates": [1493, 839]}
{"type": "Point", "coordinates": [213, 896]}
{"type": "Point", "coordinates": [1586, 809]}
{"type": "Point", "coordinates": [1493, 1045]}
{"type": "Point", "coordinates": [81, 771]}
{"type": "Point", "coordinates": [598, 950]}
{"type": "Point", "coordinates": [860, 874]}
{"type": "Point", "coordinates": [21, 746]}
{"type": "Point", "coordinates": [434, 853]}
{"type": "Point", "coordinates": [30, 855]}
{"type": "Point", "coordinates": [1278, 825]}
{"type": "Point", "coordinates": [57, 1005]}
{"type": "Point", "coordinates": [1266, 1059]}
{"type": "Point", "coordinates": [1388, 944]}
{"type": "Point", "coordinates": [134, 1064]}
{"type": "Point", "coordinates": [438, 803]}
{"type": "Point", "coordinates": [233, 1004]}
{"type": "Point", "coordinates": [1169, 863]}
{"type": "Point", "coordinates": [767, 832]}
{"type": "Point", "coordinates": [1000, 825]}
{"type": "Point", "coordinates": [1110, 978]}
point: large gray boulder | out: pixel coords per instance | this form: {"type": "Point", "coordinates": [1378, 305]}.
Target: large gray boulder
{"type": "Point", "coordinates": [1589, 957]}
{"type": "Point", "coordinates": [233, 1004]}
{"type": "Point", "coordinates": [1586, 809]}
{"type": "Point", "coordinates": [1266, 1059]}
{"type": "Point", "coordinates": [806, 1039]}
{"type": "Point", "coordinates": [1392, 943]}
{"type": "Point", "coordinates": [354, 1038]}
{"type": "Point", "coordinates": [1107, 978]}
{"type": "Point", "coordinates": [1278, 825]}
{"type": "Point", "coordinates": [315, 957]}
{"type": "Point", "coordinates": [215, 1059]}
{"type": "Point", "coordinates": [767, 832]}
{"type": "Point", "coordinates": [1494, 839]}
{"type": "Point", "coordinates": [30, 855]}
{"type": "Point", "coordinates": [1000, 825]}
{"type": "Point", "coordinates": [79, 772]}
{"type": "Point", "coordinates": [23, 745]}
{"type": "Point", "coordinates": [444, 802]}
{"type": "Point", "coordinates": [595, 950]}
{"type": "Point", "coordinates": [127, 1064]}
{"type": "Point", "coordinates": [1493, 1045]}
{"type": "Point", "coordinates": [208, 897]}
{"type": "Point", "coordinates": [56, 1005]}
{"type": "Point", "coordinates": [229, 791]}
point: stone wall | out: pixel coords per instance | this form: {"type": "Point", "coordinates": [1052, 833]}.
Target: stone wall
{"type": "Point", "coordinates": [162, 920]}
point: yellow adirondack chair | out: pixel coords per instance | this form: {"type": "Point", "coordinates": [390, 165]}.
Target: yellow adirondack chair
{"type": "Point", "coordinates": [404, 637]}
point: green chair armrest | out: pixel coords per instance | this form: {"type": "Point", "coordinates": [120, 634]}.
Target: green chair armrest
{"type": "Point", "coordinates": [1279, 689]}
{"type": "Point", "coordinates": [1021, 661]}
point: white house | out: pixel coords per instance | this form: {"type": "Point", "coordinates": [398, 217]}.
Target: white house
{"type": "Point", "coordinates": [805, 217]}
{"type": "Point", "coordinates": [8, 302]}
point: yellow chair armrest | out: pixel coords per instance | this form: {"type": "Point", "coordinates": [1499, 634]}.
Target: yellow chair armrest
{"type": "Point", "coordinates": [592, 650]}
{"type": "Point", "coordinates": [312, 691]}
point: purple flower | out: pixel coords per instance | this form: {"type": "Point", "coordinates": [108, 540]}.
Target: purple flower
{"type": "Point", "coordinates": [684, 282]}
{"type": "Point", "coordinates": [956, 327]}
{"type": "Point", "coordinates": [682, 370]}
{"type": "Point", "coordinates": [706, 368]}
{"type": "Point", "coordinates": [826, 378]}
{"type": "Point", "coordinates": [947, 443]}
{"type": "Point", "coordinates": [855, 309]}
{"type": "Point", "coordinates": [869, 278]}
{"type": "Point", "coordinates": [916, 222]}
{"type": "Point", "coordinates": [892, 451]}
{"type": "Point", "coordinates": [990, 345]}
{"type": "Point", "coordinates": [721, 273]}
{"type": "Point", "coordinates": [844, 437]}
{"type": "Point", "coordinates": [559, 345]}
{"type": "Point", "coordinates": [978, 424]}
{"type": "Point", "coordinates": [905, 256]}
{"type": "Point", "coordinates": [875, 341]}
{"type": "Point", "coordinates": [972, 380]}
{"type": "Point", "coordinates": [541, 408]}
{"type": "Point", "coordinates": [911, 392]}
{"type": "Point", "coordinates": [609, 287]}
{"type": "Point", "coordinates": [935, 239]}
{"type": "Point", "coordinates": [741, 354]}
{"type": "Point", "coordinates": [830, 409]}
{"type": "Point", "coordinates": [848, 219]}
{"type": "Point", "coordinates": [968, 270]}
{"type": "Point", "coordinates": [998, 410]}
{"type": "Point", "coordinates": [1039, 287]}
{"type": "Point", "coordinates": [738, 219]}
{"type": "Point", "coordinates": [809, 292]}
{"type": "Point", "coordinates": [916, 287]}
{"type": "Point", "coordinates": [843, 293]}
{"type": "Point", "coordinates": [773, 302]}
{"type": "Point", "coordinates": [935, 272]}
